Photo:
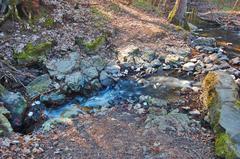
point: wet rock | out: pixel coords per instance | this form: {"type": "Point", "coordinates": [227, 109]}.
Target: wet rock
{"type": "Point", "coordinates": [73, 112]}
{"type": "Point", "coordinates": [105, 79]}
{"type": "Point", "coordinates": [220, 95]}
{"type": "Point", "coordinates": [153, 101]}
{"type": "Point", "coordinates": [15, 104]}
{"type": "Point", "coordinates": [60, 67]}
{"type": "Point", "coordinates": [54, 98]}
{"type": "Point", "coordinates": [38, 86]}
{"type": "Point", "coordinates": [114, 70]}
{"type": "Point", "coordinates": [190, 66]}
{"type": "Point", "coordinates": [204, 41]}
{"type": "Point", "coordinates": [5, 126]}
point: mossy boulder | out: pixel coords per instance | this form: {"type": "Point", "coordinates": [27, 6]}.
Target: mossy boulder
{"type": "Point", "coordinates": [220, 96]}
{"type": "Point", "coordinates": [32, 54]}
{"type": "Point", "coordinates": [39, 86]}
{"type": "Point", "coordinates": [15, 104]}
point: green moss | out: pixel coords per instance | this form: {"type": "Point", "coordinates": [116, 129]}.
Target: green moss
{"type": "Point", "coordinates": [32, 53]}
{"type": "Point", "coordinates": [208, 86]}
{"type": "Point", "coordinates": [92, 46]}
{"type": "Point", "coordinates": [237, 104]}
{"type": "Point", "coordinates": [49, 22]}
{"type": "Point", "coordinates": [221, 146]}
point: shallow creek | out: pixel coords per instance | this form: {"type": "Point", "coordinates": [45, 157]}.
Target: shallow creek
{"type": "Point", "coordinates": [125, 90]}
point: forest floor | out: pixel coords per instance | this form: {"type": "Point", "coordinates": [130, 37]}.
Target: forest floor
{"type": "Point", "coordinates": [118, 132]}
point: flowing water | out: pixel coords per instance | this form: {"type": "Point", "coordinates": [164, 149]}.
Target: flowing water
{"type": "Point", "coordinates": [125, 90]}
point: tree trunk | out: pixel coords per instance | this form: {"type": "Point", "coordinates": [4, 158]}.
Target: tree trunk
{"type": "Point", "coordinates": [177, 15]}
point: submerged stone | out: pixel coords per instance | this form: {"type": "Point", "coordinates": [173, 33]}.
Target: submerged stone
{"type": "Point", "coordinates": [54, 98]}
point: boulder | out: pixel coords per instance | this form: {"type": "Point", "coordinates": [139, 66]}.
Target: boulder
{"type": "Point", "coordinates": [39, 86]}
{"type": "Point", "coordinates": [15, 104]}
{"type": "Point", "coordinates": [220, 96]}
{"type": "Point", "coordinates": [60, 67]}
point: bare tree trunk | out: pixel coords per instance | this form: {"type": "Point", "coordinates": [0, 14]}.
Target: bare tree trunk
{"type": "Point", "coordinates": [177, 15]}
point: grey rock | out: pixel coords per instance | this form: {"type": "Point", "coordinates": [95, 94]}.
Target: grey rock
{"type": "Point", "coordinates": [39, 85]}
{"type": "Point", "coordinates": [54, 98]}
{"type": "Point", "coordinates": [60, 67]}
{"type": "Point", "coordinates": [75, 81]}
{"type": "Point", "coordinates": [99, 62]}
{"type": "Point", "coordinates": [90, 73]}
{"type": "Point", "coordinates": [204, 41]}
{"type": "Point", "coordinates": [173, 121]}
{"type": "Point", "coordinates": [105, 79]}
{"type": "Point", "coordinates": [179, 51]}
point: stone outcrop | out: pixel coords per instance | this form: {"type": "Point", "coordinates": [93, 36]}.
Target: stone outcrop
{"type": "Point", "coordinates": [220, 96]}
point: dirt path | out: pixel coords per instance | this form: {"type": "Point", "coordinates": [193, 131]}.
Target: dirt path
{"type": "Point", "coordinates": [146, 31]}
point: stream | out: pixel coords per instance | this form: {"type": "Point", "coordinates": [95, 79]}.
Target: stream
{"type": "Point", "coordinates": [161, 87]}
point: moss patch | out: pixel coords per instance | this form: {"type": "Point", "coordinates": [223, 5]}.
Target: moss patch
{"type": "Point", "coordinates": [237, 104]}
{"type": "Point", "coordinates": [49, 22]}
{"type": "Point", "coordinates": [208, 86]}
{"type": "Point", "coordinates": [92, 46]}
{"type": "Point", "coordinates": [32, 53]}
{"type": "Point", "coordinates": [222, 146]}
